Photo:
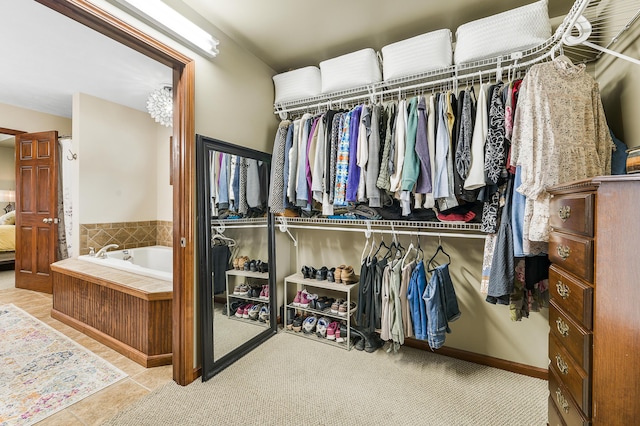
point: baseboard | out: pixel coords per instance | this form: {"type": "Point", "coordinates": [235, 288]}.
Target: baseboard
{"type": "Point", "coordinates": [514, 367]}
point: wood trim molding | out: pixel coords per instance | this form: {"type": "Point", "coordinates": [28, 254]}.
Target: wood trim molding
{"type": "Point", "coordinates": [183, 174]}
{"type": "Point", "coordinates": [11, 131]}
{"type": "Point", "coordinates": [514, 367]}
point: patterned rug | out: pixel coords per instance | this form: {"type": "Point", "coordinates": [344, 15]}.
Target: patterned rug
{"type": "Point", "coordinates": [42, 371]}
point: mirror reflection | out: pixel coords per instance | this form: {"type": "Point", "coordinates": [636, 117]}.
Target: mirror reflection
{"type": "Point", "coordinates": [233, 191]}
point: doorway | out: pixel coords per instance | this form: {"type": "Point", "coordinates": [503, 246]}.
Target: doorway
{"type": "Point", "coordinates": [182, 169]}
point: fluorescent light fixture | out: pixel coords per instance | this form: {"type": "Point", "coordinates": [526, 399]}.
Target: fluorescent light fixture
{"type": "Point", "coordinates": [168, 20]}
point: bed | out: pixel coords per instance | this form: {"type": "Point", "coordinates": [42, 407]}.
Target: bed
{"type": "Point", "coordinates": [7, 240]}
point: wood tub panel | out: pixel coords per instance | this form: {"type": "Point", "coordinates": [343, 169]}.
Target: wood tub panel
{"type": "Point", "coordinates": [113, 314]}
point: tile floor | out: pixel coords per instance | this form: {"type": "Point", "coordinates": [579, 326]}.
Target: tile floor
{"type": "Point", "coordinates": [102, 405]}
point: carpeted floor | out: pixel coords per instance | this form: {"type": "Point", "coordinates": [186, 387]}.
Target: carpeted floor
{"type": "Point", "coordinates": [293, 381]}
{"type": "Point", "coordinates": [42, 371]}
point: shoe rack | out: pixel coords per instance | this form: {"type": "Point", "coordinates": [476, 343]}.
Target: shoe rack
{"type": "Point", "coordinates": [316, 286]}
{"type": "Point", "coordinates": [236, 277]}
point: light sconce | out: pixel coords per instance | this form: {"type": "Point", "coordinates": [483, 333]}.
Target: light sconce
{"type": "Point", "coordinates": [167, 20]}
{"type": "Point", "coordinates": [8, 196]}
{"type": "Point", "coordinates": [160, 106]}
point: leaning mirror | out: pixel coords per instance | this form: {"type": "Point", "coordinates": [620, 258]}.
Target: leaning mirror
{"type": "Point", "coordinates": [235, 247]}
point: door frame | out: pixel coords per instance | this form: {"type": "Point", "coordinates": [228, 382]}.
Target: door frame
{"type": "Point", "coordinates": [182, 168]}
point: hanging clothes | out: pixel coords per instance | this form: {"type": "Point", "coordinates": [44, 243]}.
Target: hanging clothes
{"type": "Point", "coordinates": [554, 140]}
{"type": "Point", "coordinates": [441, 306]}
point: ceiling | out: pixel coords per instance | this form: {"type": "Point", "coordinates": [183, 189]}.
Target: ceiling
{"type": "Point", "coordinates": [50, 57]}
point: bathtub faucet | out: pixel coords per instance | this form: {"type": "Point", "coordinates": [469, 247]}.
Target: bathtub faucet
{"type": "Point", "coordinates": [102, 253]}
{"type": "Point", "coordinates": [126, 255]}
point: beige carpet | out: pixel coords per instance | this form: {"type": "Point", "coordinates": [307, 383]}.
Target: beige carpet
{"type": "Point", "coordinates": [293, 381]}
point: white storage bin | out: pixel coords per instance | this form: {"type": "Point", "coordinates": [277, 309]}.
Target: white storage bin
{"type": "Point", "coordinates": [351, 70]}
{"type": "Point", "coordinates": [297, 84]}
{"type": "Point", "coordinates": [514, 30]}
{"type": "Point", "coordinates": [415, 55]}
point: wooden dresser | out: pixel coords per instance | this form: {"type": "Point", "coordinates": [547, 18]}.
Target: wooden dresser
{"type": "Point", "coordinates": [594, 314]}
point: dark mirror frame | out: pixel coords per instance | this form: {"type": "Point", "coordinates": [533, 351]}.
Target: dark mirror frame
{"type": "Point", "coordinates": [204, 145]}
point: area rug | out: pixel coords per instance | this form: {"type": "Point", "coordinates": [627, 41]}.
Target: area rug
{"type": "Point", "coordinates": [42, 371]}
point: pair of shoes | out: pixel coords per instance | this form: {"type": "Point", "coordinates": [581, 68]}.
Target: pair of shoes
{"type": "Point", "coordinates": [254, 311]}
{"type": "Point", "coordinates": [321, 274]}
{"type": "Point", "coordinates": [302, 299]}
{"type": "Point", "coordinates": [370, 341]}
{"type": "Point", "coordinates": [308, 272]}
{"type": "Point", "coordinates": [335, 306]}
{"type": "Point", "coordinates": [232, 307]}
{"type": "Point", "coordinates": [343, 309]}
{"type": "Point", "coordinates": [241, 290]}
{"type": "Point", "coordinates": [264, 313]}
{"type": "Point", "coordinates": [239, 262]}
{"type": "Point", "coordinates": [323, 303]}
{"type": "Point", "coordinates": [264, 293]}
{"type": "Point", "coordinates": [296, 324]}
{"type": "Point", "coordinates": [336, 332]}
{"type": "Point", "coordinates": [243, 310]}
{"type": "Point", "coordinates": [348, 275]}
{"type": "Point", "coordinates": [255, 291]}
{"type": "Point", "coordinates": [263, 267]}
{"type": "Point", "coordinates": [309, 325]}
{"type": "Point", "coordinates": [321, 327]}
{"type": "Point", "coordinates": [249, 265]}
{"type": "Point", "coordinates": [345, 274]}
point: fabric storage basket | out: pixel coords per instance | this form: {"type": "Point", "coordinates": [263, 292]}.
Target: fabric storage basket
{"type": "Point", "coordinates": [297, 84]}
{"type": "Point", "coordinates": [514, 30]}
{"type": "Point", "coordinates": [354, 69]}
{"type": "Point", "coordinates": [419, 54]}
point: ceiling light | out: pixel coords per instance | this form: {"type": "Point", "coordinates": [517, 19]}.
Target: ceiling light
{"type": "Point", "coordinates": [174, 24]}
{"type": "Point", "coordinates": [160, 106]}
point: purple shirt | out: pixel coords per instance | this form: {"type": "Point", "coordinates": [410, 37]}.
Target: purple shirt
{"type": "Point", "coordinates": [354, 170]}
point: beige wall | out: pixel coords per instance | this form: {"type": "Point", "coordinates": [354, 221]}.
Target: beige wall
{"type": "Point", "coordinates": [234, 91]}
{"type": "Point", "coordinates": [117, 160]}
{"type": "Point", "coordinates": [620, 88]}
{"type": "Point", "coordinates": [16, 118]}
{"type": "Point", "coordinates": [483, 328]}
{"type": "Point", "coordinates": [7, 168]}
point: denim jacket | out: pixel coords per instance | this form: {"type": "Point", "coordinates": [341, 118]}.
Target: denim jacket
{"type": "Point", "coordinates": [441, 304]}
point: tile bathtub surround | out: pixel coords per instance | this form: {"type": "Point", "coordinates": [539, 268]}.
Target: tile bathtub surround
{"type": "Point", "coordinates": [125, 234]}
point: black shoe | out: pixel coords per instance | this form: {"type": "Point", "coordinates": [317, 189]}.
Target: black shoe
{"type": "Point", "coordinates": [306, 272]}
{"type": "Point", "coordinates": [330, 275]}
{"type": "Point", "coordinates": [321, 274]}
{"type": "Point", "coordinates": [263, 267]}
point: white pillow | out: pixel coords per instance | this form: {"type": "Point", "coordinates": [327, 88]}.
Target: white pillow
{"type": "Point", "coordinates": [8, 218]}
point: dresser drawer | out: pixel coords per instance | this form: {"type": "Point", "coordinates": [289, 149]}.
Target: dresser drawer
{"type": "Point", "coordinates": [572, 253]}
{"type": "Point", "coordinates": [572, 213]}
{"type": "Point", "coordinates": [554, 418]}
{"type": "Point", "coordinates": [565, 406]}
{"type": "Point", "coordinates": [572, 296]}
{"type": "Point", "coordinates": [576, 340]}
{"type": "Point", "coordinates": [573, 377]}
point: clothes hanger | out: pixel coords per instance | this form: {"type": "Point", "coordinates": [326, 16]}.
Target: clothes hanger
{"type": "Point", "coordinates": [440, 249]}
{"type": "Point", "coordinates": [406, 256]}
{"type": "Point", "coordinates": [366, 244]}
{"type": "Point", "coordinates": [219, 239]}
{"type": "Point", "coordinates": [420, 254]}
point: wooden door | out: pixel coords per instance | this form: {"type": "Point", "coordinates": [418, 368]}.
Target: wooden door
{"type": "Point", "coordinates": [36, 209]}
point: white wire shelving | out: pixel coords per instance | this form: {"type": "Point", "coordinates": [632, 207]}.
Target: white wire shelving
{"type": "Point", "coordinates": [606, 21]}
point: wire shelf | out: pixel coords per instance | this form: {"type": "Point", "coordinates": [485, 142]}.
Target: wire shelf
{"type": "Point", "coordinates": [609, 20]}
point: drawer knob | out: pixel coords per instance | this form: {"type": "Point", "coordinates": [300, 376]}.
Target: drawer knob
{"type": "Point", "coordinates": [562, 365]}
{"type": "Point", "coordinates": [563, 289]}
{"type": "Point", "coordinates": [563, 252]}
{"type": "Point", "coordinates": [564, 212]}
{"type": "Point", "coordinates": [563, 328]}
{"type": "Point", "coordinates": [562, 401]}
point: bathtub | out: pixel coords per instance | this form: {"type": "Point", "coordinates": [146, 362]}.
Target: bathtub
{"type": "Point", "coordinates": [153, 261]}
